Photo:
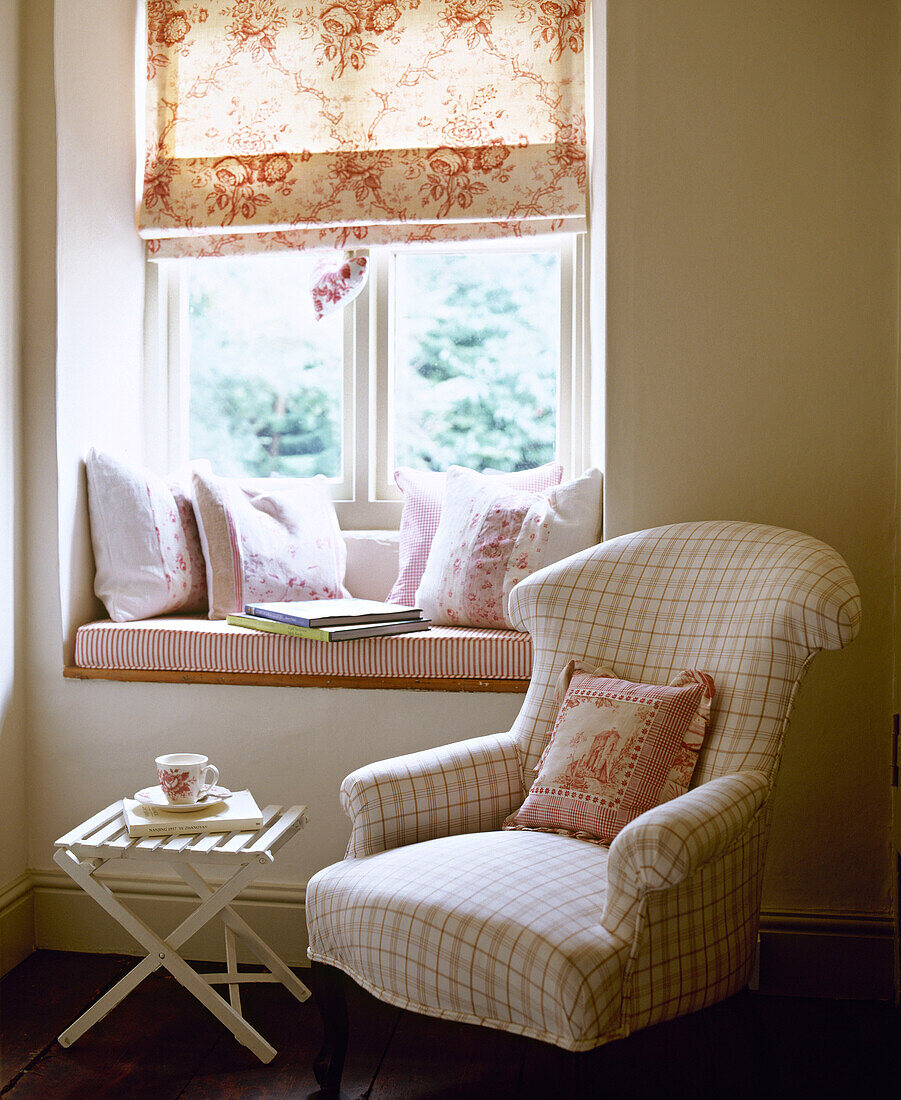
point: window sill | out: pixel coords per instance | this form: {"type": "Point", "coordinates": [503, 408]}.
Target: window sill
{"type": "Point", "coordinates": [192, 650]}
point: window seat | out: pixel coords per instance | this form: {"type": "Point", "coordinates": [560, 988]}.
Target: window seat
{"type": "Point", "coordinates": [190, 649]}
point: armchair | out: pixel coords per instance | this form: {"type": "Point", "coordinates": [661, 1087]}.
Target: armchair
{"type": "Point", "coordinates": [437, 910]}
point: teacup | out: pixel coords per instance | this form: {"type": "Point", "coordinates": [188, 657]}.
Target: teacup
{"type": "Point", "coordinates": [184, 778]}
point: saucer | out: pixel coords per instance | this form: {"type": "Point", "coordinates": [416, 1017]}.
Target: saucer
{"type": "Point", "coordinates": [153, 796]}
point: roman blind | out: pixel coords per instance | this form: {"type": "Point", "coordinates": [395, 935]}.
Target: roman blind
{"type": "Point", "coordinates": [297, 125]}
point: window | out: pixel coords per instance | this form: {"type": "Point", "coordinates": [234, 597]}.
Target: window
{"type": "Point", "coordinates": [466, 354]}
{"type": "Point", "coordinates": [266, 379]}
{"type": "Point", "coordinates": [285, 130]}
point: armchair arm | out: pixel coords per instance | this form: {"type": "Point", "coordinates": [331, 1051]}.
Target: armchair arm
{"type": "Point", "coordinates": [467, 787]}
{"type": "Point", "coordinates": [664, 846]}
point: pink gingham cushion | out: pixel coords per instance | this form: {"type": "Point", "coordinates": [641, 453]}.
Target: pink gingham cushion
{"type": "Point", "coordinates": [423, 492]}
{"type": "Point", "coordinates": [617, 749]}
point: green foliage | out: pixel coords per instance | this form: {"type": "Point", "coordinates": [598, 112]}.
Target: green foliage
{"type": "Point", "coordinates": [476, 347]}
{"type": "Point", "coordinates": [265, 378]}
{"type": "Point", "coordinates": [476, 360]}
{"type": "Point", "coordinates": [267, 431]}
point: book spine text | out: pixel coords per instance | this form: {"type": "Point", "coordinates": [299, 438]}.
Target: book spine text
{"type": "Point", "coordinates": [194, 827]}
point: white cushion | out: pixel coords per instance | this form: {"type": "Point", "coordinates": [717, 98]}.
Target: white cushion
{"type": "Point", "coordinates": [146, 544]}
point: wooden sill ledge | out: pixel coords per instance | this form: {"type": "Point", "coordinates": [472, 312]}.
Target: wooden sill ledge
{"type": "Point", "coordinates": [278, 679]}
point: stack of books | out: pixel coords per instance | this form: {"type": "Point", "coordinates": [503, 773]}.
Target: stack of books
{"type": "Point", "coordinates": [237, 812]}
{"type": "Point", "coordinates": [331, 620]}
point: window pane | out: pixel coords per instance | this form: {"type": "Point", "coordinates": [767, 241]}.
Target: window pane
{"type": "Point", "coordinates": [476, 352]}
{"type": "Point", "coordinates": [266, 376]}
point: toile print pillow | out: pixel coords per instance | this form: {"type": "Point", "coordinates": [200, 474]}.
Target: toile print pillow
{"type": "Point", "coordinates": [617, 749]}
{"type": "Point", "coordinates": [266, 544]}
{"type": "Point", "coordinates": [491, 535]}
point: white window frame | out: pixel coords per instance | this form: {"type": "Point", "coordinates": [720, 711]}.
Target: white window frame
{"type": "Point", "coordinates": [365, 494]}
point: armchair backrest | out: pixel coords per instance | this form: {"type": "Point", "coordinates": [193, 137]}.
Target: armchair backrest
{"type": "Point", "coordinates": [746, 603]}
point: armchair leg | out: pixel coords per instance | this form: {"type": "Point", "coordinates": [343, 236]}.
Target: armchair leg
{"type": "Point", "coordinates": [328, 986]}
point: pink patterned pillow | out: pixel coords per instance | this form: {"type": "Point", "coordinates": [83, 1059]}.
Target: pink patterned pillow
{"type": "Point", "coordinates": [264, 544]}
{"type": "Point", "coordinates": [146, 544]}
{"type": "Point", "coordinates": [490, 536]}
{"type": "Point", "coordinates": [423, 492]}
{"type": "Point", "coordinates": [194, 582]}
{"type": "Point", "coordinates": [617, 749]}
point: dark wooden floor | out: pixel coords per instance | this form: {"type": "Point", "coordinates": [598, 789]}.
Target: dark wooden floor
{"type": "Point", "coordinates": [160, 1044]}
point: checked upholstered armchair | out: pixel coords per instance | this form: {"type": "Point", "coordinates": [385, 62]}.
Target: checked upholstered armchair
{"type": "Point", "coordinates": [438, 910]}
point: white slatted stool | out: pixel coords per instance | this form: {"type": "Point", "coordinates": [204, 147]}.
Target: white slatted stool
{"type": "Point", "coordinates": [104, 837]}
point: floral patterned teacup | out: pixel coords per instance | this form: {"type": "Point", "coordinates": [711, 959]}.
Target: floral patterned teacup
{"type": "Point", "coordinates": [185, 776]}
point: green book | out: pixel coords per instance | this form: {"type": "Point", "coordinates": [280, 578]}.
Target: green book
{"type": "Point", "coordinates": [328, 633]}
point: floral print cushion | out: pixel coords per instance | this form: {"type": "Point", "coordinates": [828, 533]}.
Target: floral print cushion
{"type": "Point", "coordinates": [268, 544]}
{"type": "Point", "coordinates": [184, 550]}
{"type": "Point", "coordinates": [146, 544]}
{"type": "Point", "coordinates": [491, 535]}
{"type": "Point", "coordinates": [617, 749]}
{"type": "Point", "coordinates": [487, 535]}
{"type": "Point", "coordinates": [423, 492]}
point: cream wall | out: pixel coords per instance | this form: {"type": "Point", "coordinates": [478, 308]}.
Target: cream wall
{"type": "Point", "coordinates": [752, 303]}
{"type": "Point", "coordinates": [90, 742]}
{"type": "Point", "coordinates": [100, 273]}
{"type": "Point", "coordinates": [752, 349]}
{"type": "Point", "coordinates": [12, 724]}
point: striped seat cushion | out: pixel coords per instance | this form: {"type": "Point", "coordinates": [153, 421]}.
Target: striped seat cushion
{"type": "Point", "coordinates": [195, 644]}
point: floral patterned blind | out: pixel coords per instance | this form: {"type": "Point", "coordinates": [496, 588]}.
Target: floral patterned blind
{"type": "Point", "coordinates": [341, 124]}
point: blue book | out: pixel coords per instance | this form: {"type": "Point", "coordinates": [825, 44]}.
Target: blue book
{"type": "Point", "coordinates": [342, 612]}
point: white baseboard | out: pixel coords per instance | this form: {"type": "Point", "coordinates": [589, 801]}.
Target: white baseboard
{"type": "Point", "coordinates": [16, 922]}
{"type": "Point", "coordinates": [802, 953]}
{"type": "Point", "coordinates": [66, 919]}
